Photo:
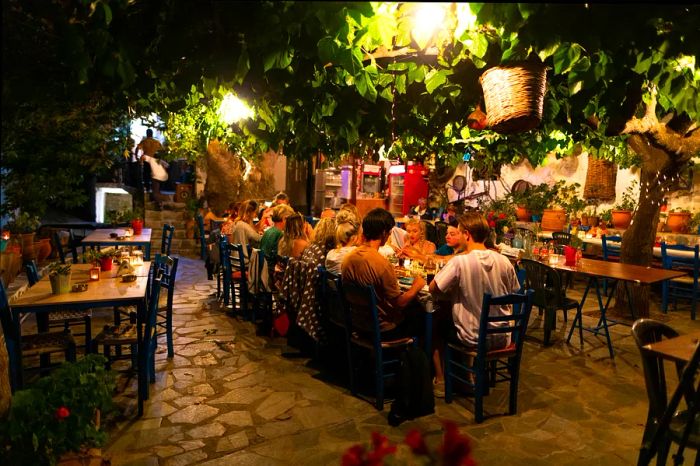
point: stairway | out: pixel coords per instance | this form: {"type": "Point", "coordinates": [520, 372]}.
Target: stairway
{"type": "Point", "coordinates": [173, 213]}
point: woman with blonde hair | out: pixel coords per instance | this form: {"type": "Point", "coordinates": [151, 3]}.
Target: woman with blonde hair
{"type": "Point", "coordinates": [415, 246]}
{"type": "Point", "coordinates": [322, 242]}
{"type": "Point", "coordinates": [346, 235]}
{"type": "Point", "coordinates": [294, 239]}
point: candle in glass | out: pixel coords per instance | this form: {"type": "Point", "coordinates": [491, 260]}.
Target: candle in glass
{"type": "Point", "coordinates": [95, 273]}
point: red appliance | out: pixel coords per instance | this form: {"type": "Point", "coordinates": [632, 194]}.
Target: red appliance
{"type": "Point", "coordinates": [407, 184]}
{"type": "Point", "coordinates": [371, 178]}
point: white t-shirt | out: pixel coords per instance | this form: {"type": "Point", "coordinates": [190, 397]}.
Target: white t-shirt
{"type": "Point", "coordinates": [335, 257]}
{"type": "Point", "coordinates": [157, 171]}
{"type": "Point", "coordinates": [465, 278]}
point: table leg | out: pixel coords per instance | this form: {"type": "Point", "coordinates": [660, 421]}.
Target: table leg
{"type": "Point", "coordinates": [147, 253]}
{"type": "Point", "coordinates": [579, 314]}
{"type": "Point", "coordinates": [602, 322]}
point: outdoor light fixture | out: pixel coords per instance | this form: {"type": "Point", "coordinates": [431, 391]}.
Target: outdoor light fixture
{"type": "Point", "coordinates": [428, 17]}
{"type": "Point", "coordinates": [233, 109]}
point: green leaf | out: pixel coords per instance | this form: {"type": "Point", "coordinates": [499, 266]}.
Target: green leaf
{"type": "Point", "coordinates": [477, 45]}
{"type": "Point", "coordinates": [108, 12]}
{"type": "Point", "coordinates": [434, 79]}
{"type": "Point", "coordinates": [242, 66]}
{"type": "Point", "coordinates": [416, 74]}
{"type": "Point", "coordinates": [327, 50]}
{"type": "Point", "coordinates": [565, 57]}
{"type": "Point", "coordinates": [548, 51]}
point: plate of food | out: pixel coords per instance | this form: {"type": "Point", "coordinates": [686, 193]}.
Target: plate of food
{"type": "Point", "coordinates": [406, 280]}
{"type": "Point", "coordinates": [79, 287]}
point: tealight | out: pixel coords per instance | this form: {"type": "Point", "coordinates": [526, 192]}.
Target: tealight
{"type": "Point", "coordinates": [137, 258]}
{"type": "Point", "coordinates": [95, 273]}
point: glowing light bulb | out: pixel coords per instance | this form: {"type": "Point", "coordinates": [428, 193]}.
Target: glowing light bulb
{"type": "Point", "coordinates": [427, 19]}
{"type": "Point", "coordinates": [233, 109]}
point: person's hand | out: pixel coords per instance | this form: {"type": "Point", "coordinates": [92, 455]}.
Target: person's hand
{"type": "Point", "coordinates": [419, 282]}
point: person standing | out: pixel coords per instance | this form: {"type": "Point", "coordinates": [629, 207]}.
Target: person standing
{"type": "Point", "coordinates": [149, 146]}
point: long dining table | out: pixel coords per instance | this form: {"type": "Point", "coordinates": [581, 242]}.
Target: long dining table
{"type": "Point", "coordinates": [597, 270]}
{"type": "Point", "coordinates": [108, 291]}
{"type": "Point", "coordinates": [102, 237]}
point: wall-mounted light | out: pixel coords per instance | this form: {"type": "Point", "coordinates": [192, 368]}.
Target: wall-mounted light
{"type": "Point", "coordinates": [428, 18]}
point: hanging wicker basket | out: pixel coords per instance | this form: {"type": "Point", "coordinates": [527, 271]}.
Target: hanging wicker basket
{"type": "Point", "coordinates": [514, 96]}
{"type": "Point", "coordinates": [600, 180]}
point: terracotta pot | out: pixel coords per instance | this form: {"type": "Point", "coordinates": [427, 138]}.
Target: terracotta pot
{"type": "Point", "coordinates": [28, 252]}
{"type": "Point", "coordinates": [678, 221]}
{"type": "Point", "coordinates": [137, 225]}
{"type": "Point", "coordinates": [621, 219]}
{"type": "Point", "coordinates": [522, 213]}
{"type": "Point", "coordinates": [43, 249]}
{"type": "Point", "coordinates": [106, 263]}
{"type": "Point", "coordinates": [554, 219]}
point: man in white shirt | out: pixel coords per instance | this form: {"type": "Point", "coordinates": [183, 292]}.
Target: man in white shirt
{"type": "Point", "coordinates": [466, 277]}
{"type": "Point", "coordinates": [159, 175]}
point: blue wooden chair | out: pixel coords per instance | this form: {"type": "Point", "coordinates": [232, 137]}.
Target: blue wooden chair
{"type": "Point", "coordinates": [611, 253]}
{"type": "Point", "coordinates": [71, 246]}
{"type": "Point", "coordinates": [361, 306]}
{"type": "Point", "coordinates": [166, 240]}
{"type": "Point", "coordinates": [164, 321]}
{"type": "Point", "coordinates": [29, 345]}
{"type": "Point", "coordinates": [684, 287]}
{"type": "Point", "coordinates": [238, 277]}
{"type": "Point", "coordinates": [490, 366]}
{"type": "Point", "coordinates": [223, 277]}
{"type": "Point", "coordinates": [62, 319]}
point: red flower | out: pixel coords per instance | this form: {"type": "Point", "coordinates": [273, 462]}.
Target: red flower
{"type": "Point", "coordinates": [492, 223]}
{"type": "Point", "coordinates": [62, 413]}
{"type": "Point", "coordinates": [501, 216]}
{"type": "Point", "coordinates": [490, 216]}
{"type": "Point", "coordinates": [456, 449]}
{"type": "Point", "coordinates": [382, 448]}
{"type": "Point", "coordinates": [415, 440]}
{"type": "Point", "coordinates": [354, 456]}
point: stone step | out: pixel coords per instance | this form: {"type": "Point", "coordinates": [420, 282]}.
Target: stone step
{"type": "Point", "coordinates": [166, 216]}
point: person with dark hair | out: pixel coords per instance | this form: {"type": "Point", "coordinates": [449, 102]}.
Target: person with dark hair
{"type": "Point", "coordinates": [466, 277]}
{"type": "Point", "coordinates": [281, 198]}
{"type": "Point", "coordinates": [398, 312]}
{"type": "Point", "coordinates": [148, 147]}
{"type": "Point", "coordinates": [271, 238]}
{"type": "Point", "coordinates": [243, 230]}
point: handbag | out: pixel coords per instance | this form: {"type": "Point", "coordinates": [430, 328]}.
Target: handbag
{"type": "Point", "coordinates": [280, 324]}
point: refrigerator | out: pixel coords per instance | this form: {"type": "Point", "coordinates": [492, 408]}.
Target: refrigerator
{"type": "Point", "coordinates": [328, 190]}
{"type": "Point", "coordinates": [371, 179]}
{"type": "Point", "coordinates": [407, 183]}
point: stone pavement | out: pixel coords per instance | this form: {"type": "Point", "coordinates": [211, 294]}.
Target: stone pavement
{"type": "Point", "coordinates": [231, 397]}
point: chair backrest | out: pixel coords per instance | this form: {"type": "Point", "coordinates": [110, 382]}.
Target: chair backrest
{"type": "Point", "coordinates": [333, 300]}
{"type": "Point", "coordinates": [440, 232]}
{"type": "Point", "coordinates": [32, 272]}
{"type": "Point", "coordinates": [71, 245]}
{"type": "Point", "coordinates": [611, 246]}
{"type": "Point", "coordinates": [494, 324]}
{"type": "Point", "coordinates": [545, 283]}
{"type": "Point", "coordinates": [237, 261]}
{"type": "Point", "coordinates": [647, 331]}
{"type": "Point", "coordinates": [363, 315]}
{"type": "Point", "coordinates": [430, 231]}
{"type": "Point", "coordinates": [561, 237]}
{"type": "Point", "coordinates": [168, 266]}
{"type": "Point", "coordinates": [670, 261]}
{"type": "Point", "coordinates": [167, 239]}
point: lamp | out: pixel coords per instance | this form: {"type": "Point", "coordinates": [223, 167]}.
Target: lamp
{"type": "Point", "coordinates": [95, 273]}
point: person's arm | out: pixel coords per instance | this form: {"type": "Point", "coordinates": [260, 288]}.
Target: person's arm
{"type": "Point", "coordinates": [405, 298]}
{"type": "Point", "coordinates": [445, 278]}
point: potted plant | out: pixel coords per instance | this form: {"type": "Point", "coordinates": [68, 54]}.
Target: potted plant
{"type": "Point", "coordinates": [678, 220]}
{"type": "Point", "coordinates": [606, 217]}
{"type": "Point", "coordinates": [58, 417]}
{"type": "Point", "coordinates": [694, 223]}
{"type": "Point", "coordinates": [25, 225]}
{"type": "Point", "coordinates": [105, 258]}
{"type": "Point", "coordinates": [135, 218]}
{"type": "Point", "coordinates": [537, 198]}
{"type": "Point", "coordinates": [59, 276]}
{"type": "Point", "coordinates": [500, 215]}
{"type": "Point", "coordinates": [567, 197]}
{"type": "Point", "coordinates": [519, 200]}
{"type": "Point", "coordinates": [622, 212]}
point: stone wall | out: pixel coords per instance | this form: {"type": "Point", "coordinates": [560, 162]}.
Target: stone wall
{"type": "Point", "coordinates": [228, 177]}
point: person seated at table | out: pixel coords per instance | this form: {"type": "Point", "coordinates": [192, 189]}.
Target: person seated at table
{"type": "Point", "coordinates": [280, 198]}
{"type": "Point", "coordinates": [271, 238]}
{"type": "Point", "coordinates": [294, 239]}
{"type": "Point", "coordinates": [454, 242]}
{"type": "Point", "coordinates": [244, 232]}
{"type": "Point", "coordinates": [322, 242]}
{"type": "Point", "coordinates": [421, 209]}
{"type": "Point", "coordinates": [450, 214]}
{"type": "Point", "coordinates": [416, 247]}
{"type": "Point", "coordinates": [466, 277]}
{"type": "Point", "coordinates": [232, 210]}
{"type": "Point", "coordinates": [347, 233]}
{"type": "Point", "coordinates": [399, 313]}
{"type": "Point", "coordinates": [350, 209]}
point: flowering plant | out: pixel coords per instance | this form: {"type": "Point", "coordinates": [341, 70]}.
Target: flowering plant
{"type": "Point", "coordinates": [500, 215]}
{"type": "Point", "coordinates": [58, 414]}
{"type": "Point", "coordinates": [454, 451]}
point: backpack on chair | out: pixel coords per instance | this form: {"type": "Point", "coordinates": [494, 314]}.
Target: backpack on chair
{"type": "Point", "coordinates": [415, 392]}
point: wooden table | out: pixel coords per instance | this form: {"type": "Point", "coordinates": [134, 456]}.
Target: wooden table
{"type": "Point", "coordinates": [101, 237]}
{"type": "Point", "coordinates": [678, 349]}
{"type": "Point", "coordinates": [626, 273]}
{"type": "Point", "coordinates": [108, 291]}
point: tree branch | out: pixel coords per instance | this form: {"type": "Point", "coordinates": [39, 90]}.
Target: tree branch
{"type": "Point", "coordinates": [684, 145]}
